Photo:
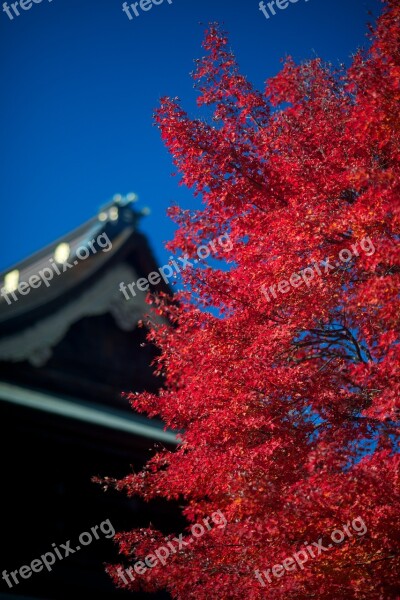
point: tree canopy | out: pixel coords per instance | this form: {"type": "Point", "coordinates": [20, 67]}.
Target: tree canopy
{"type": "Point", "coordinates": [288, 398]}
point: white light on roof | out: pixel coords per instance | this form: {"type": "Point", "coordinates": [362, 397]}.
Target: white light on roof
{"type": "Point", "coordinates": [117, 198]}
{"type": "Point", "coordinates": [11, 281]}
{"type": "Point", "coordinates": [62, 252]}
{"type": "Point", "coordinates": [103, 216]}
{"type": "Point", "coordinates": [113, 213]}
{"type": "Point", "coordinates": [131, 197]}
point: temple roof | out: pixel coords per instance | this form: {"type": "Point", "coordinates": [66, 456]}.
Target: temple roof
{"type": "Point", "coordinates": [76, 337]}
{"type": "Point", "coordinates": [117, 222]}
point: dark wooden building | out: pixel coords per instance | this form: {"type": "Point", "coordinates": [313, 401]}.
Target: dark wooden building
{"type": "Point", "coordinates": [67, 351]}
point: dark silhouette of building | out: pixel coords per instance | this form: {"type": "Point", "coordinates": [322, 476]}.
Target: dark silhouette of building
{"type": "Point", "coordinates": [67, 351]}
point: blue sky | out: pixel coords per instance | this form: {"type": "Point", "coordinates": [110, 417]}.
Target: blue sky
{"type": "Point", "coordinates": [80, 82]}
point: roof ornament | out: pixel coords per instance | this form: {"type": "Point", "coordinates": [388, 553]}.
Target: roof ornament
{"type": "Point", "coordinates": [120, 206]}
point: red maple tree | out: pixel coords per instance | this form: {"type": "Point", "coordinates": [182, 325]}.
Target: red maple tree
{"type": "Point", "coordinates": [284, 383]}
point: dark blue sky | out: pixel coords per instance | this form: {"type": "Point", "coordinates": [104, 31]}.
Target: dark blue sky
{"type": "Point", "coordinates": [80, 82]}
